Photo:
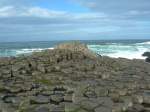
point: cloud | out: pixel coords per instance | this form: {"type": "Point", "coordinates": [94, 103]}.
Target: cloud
{"type": "Point", "coordinates": [11, 11]}
{"type": "Point", "coordinates": [119, 8]}
{"type": "Point", "coordinates": [23, 20]}
{"type": "Point", "coordinates": [38, 15]}
{"type": "Point", "coordinates": [20, 23]}
{"type": "Point", "coordinates": [116, 5]}
{"type": "Point", "coordinates": [18, 3]}
{"type": "Point", "coordinates": [138, 12]}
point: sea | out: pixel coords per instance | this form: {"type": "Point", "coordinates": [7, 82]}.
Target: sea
{"type": "Point", "coordinates": [131, 49]}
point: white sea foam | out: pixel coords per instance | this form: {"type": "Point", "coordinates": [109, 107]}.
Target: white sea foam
{"type": "Point", "coordinates": [126, 54]}
{"type": "Point", "coordinates": [144, 43]}
{"type": "Point", "coordinates": [26, 51]}
{"type": "Point", "coordinates": [116, 50]}
{"type": "Point", "coordinates": [130, 51]}
{"type": "Point", "coordinates": [112, 50]}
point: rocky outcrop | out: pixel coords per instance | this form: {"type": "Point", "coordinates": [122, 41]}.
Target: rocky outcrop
{"type": "Point", "coordinates": [147, 54]}
{"type": "Point", "coordinates": [76, 46]}
{"type": "Point", "coordinates": [64, 80]}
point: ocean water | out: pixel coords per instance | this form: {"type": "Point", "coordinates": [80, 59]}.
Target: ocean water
{"type": "Point", "coordinates": [131, 49]}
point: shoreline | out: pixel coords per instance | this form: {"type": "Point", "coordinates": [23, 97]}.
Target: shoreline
{"type": "Point", "coordinates": [125, 49]}
{"type": "Point", "coordinates": [33, 50]}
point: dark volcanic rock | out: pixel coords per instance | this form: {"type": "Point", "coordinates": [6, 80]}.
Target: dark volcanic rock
{"type": "Point", "coordinates": [147, 54]}
{"type": "Point", "coordinates": [57, 98]}
{"type": "Point", "coordinates": [71, 78]}
{"type": "Point", "coordinates": [42, 109]}
{"type": "Point", "coordinates": [40, 99]}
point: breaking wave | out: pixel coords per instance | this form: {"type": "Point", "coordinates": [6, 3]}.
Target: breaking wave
{"type": "Point", "coordinates": [124, 49]}
{"type": "Point", "coordinates": [16, 52]}
{"type": "Point", "coordinates": [116, 50]}
{"type": "Point", "coordinates": [144, 43]}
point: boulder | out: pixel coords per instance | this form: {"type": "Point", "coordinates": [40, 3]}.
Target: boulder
{"type": "Point", "coordinates": [89, 104]}
{"type": "Point", "coordinates": [42, 109]}
{"type": "Point", "coordinates": [146, 97]}
{"type": "Point", "coordinates": [68, 98]}
{"type": "Point", "coordinates": [101, 92]}
{"type": "Point", "coordinates": [71, 107]}
{"type": "Point", "coordinates": [57, 98]}
{"type": "Point", "coordinates": [147, 54]}
{"type": "Point", "coordinates": [147, 60]}
{"type": "Point", "coordinates": [102, 109]}
{"type": "Point", "coordinates": [40, 99]}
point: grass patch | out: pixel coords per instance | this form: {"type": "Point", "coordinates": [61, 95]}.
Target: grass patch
{"type": "Point", "coordinates": [48, 82]}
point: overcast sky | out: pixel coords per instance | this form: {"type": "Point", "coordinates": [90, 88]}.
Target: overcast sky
{"type": "Point", "coordinates": [35, 20]}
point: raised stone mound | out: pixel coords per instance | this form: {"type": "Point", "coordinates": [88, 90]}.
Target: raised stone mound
{"type": "Point", "coordinates": [76, 46]}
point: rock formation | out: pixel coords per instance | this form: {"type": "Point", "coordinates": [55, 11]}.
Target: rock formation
{"type": "Point", "coordinates": [147, 54]}
{"type": "Point", "coordinates": [76, 46]}
{"type": "Point", "coordinates": [67, 79]}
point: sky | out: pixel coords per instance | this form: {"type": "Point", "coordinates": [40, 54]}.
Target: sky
{"type": "Point", "coordinates": [42, 20]}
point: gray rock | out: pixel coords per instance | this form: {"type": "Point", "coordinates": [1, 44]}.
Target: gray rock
{"type": "Point", "coordinates": [138, 108]}
{"type": "Point", "coordinates": [40, 99]}
{"type": "Point", "coordinates": [59, 90]}
{"type": "Point", "coordinates": [127, 100]}
{"type": "Point", "coordinates": [105, 76]}
{"type": "Point", "coordinates": [47, 93]}
{"type": "Point", "coordinates": [100, 91]}
{"type": "Point", "coordinates": [89, 104]}
{"type": "Point", "coordinates": [6, 107]}
{"type": "Point", "coordinates": [57, 108]}
{"type": "Point", "coordinates": [71, 107]}
{"type": "Point", "coordinates": [57, 98]}
{"type": "Point", "coordinates": [42, 109]}
{"type": "Point", "coordinates": [118, 107]}
{"type": "Point", "coordinates": [16, 67]}
{"type": "Point", "coordinates": [90, 92]}
{"type": "Point", "coordinates": [146, 97]}
{"type": "Point", "coordinates": [138, 99]}
{"type": "Point", "coordinates": [13, 89]}
{"type": "Point", "coordinates": [102, 109]}
{"type": "Point", "coordinates": [76, 47]}
{"type": "Point", "coordinates": [122, 92]}
{"type": "Point", "coordinates": [12, 99]}
{"type": "Point", "coordinates": [106, 101]}
{"type": "Point", "coordinates": [68, 98]}
{"type": "Point", "coordinates": [41, 68]}
{"type": "Point", "coordinates": [56, 69]}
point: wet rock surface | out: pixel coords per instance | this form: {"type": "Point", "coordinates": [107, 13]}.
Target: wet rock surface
{"type": "Point", "coordinates": [147, 54]}
{"type": "Point", "coordinates": [69, 80]}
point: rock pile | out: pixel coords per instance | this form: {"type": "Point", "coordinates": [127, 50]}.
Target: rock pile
{"type": "Point", "coordinates": [76, 46]}
{"type": "Point", "coordinates": [64, 80]}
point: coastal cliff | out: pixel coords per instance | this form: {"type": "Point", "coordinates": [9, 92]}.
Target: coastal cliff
{"type": "Point", "coordinates": [72, 78]}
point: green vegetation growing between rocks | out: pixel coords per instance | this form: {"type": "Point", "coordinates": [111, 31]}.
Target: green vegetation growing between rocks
{"type": "Point", "coordinates": [45, 81]}
{"type": "Point", "coordinates": [1, 89]}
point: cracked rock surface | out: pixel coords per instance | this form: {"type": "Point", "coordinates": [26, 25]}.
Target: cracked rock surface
{"type": "Point", "coordinates": [65, 80]}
